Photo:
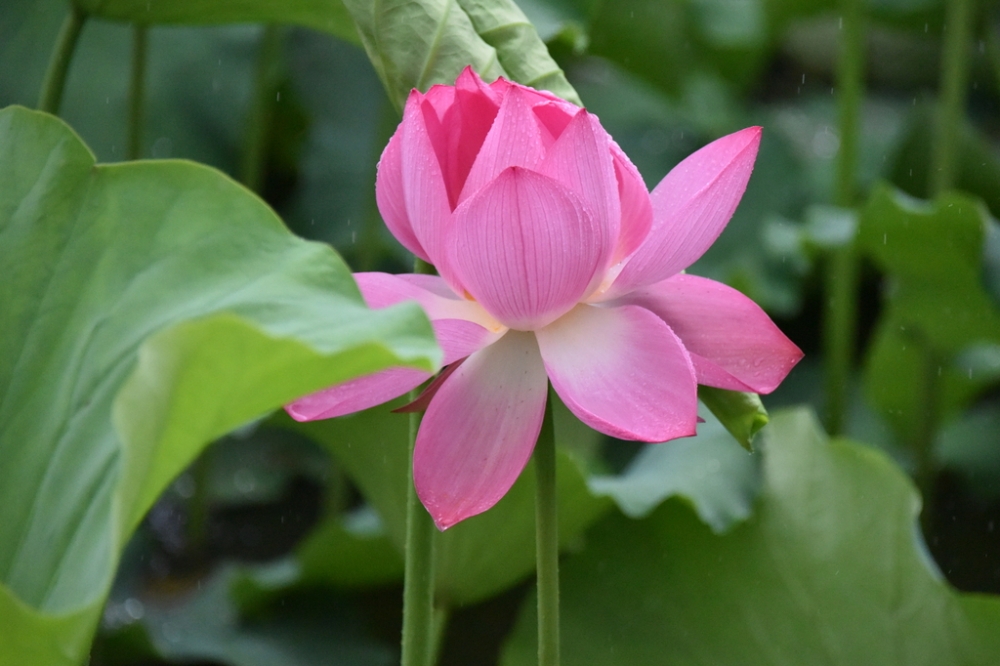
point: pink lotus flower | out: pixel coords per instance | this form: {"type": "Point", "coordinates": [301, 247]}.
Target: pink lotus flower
{"type": "Point", "coordinates": [557, 265]}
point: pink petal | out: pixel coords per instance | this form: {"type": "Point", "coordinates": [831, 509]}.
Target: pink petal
{"type": "Point", "coordinates": [458, 339]}
{"type": "Point", "coordinates": [514, 140]}
{"type": "Point", "coordinates": [390, 197]}
{"type": "Point", "coordinates": [477, 106]}
{"type": "Point", "coordinates": [426, 196]}
{"type": "Point", "coordinates": [380, 290]}
{"type": "Point", "coordinates": [733, 343]}
{"type": "Point", "coordinates": [526, 249]}
{"type": "Point", "coordinates": [461, 327]}
{"type": "Point", "coordinates": [554, 118]}
{"type": "Point", "coordinates": [357, 394]}
{"type": "Point", "coordinates": [480, 430]}
{"type": "Point", "coordinates": [622, 371]}
{"type": "Point", "coordinates": [469, 81]}
{"type": "Point", "coordinates": [441, 98]}
{"type": "Point", "coordinates": [423, 400]}
{"type": "Point", "coordinates": [440, 125]}
{"type": "Point", "coordinates": [580, 159]}
{"type": "Point", "coordinates": [691, 207]}
{"type": "Point", "coordinates": [636, 209]}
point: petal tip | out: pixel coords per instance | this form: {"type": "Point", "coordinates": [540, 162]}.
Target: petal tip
{"type": "Point", "coordinates": [295, 414]}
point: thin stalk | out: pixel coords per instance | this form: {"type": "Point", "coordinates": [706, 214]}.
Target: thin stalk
{"type": "Point", "coordinates": [547, 542]}
{"type": "Point", "coordinates": [137, 91]}
{"type": "Point", "coordinates": [50, 96]}
{"type": "Point", "coordinates": [840, 323]}
{"type": "Point", "coordinates": [258, 131]}
{"type": "Point", "coordinates": [418, 583]}
{"type": "Point", "coordinates": [954, 83]}
{"type": "Point", "coordinates": [442, 614]}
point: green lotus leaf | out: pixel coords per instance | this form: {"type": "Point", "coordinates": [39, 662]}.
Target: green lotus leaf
{"type": "Point", "coordinates": [148, 308]}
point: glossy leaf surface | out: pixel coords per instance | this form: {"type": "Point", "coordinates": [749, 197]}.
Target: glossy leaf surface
{"type": "Point", "coordinates": [828, 570]}
{"type": "Point", "coordinates": [148, 308]}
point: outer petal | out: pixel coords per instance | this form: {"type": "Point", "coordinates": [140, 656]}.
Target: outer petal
{"type": "Point", "coordinates": [480, 430]}
{"type": "Point", "coordinates": [526, 249]}
{"type": "Point", "coordinates": [580, 159]}
{"type": "Point", "coordinates": [691, 207]}
{"type": "Point", "coordinates": [733, 343]}
{"type": "Point", "coordinates": [636, 209]}
{"type": "Point", "coordinates": [514, 140]}
{"type": "Point", "coordinates": [458, 338]}
{"type": "Point", "coordinates": [380, 290]}
{"type": "Point", "coordinates": [424, 189]}
{"type": "Point", "coordinates": [461, 328]}
{"type": "Point", "coordinates": [623, 372]}
{"type": "Point", "coordinates": [357, 394]}
{"type": "Point", "coordinates": [391, 199]}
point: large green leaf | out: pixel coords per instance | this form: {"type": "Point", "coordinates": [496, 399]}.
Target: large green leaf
{"type": "Point", "coordinates": [521, 51]}
{"type": "Point", "coordinates": [415, 44]}
{"type": "Point", "coordinates": [148, 308]}
{"type": "Point", "coordinates": [709, 471]}
{"type": "Point", "coordinates": [326, 15]}
{"type": "Point", "coordinates": [828, 571]}
{"type": "Point", "coordinates": [418, 44]}
{"type": "Point", "coordinates": [477, 558]}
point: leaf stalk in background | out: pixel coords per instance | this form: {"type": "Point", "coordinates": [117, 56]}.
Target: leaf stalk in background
{"type": "Point", "coordinates": [50, 97]}
{"type": "Point", "coordinates": [261, 116]}
{"type": "Point", "coordinates": [954, 82]}
{"type": "Point", "coordinates": [137, 90]}
{"type": "Point", "coordinates": [951, 109]}
{"type": "Point", "coordinates": [840, 323]}
{"type": "Point", "coordinates": [547, 541]}
{"type": "Point", "coordinates": [418, 642]}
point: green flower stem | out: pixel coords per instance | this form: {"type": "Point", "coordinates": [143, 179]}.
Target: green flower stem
{"type": "Point", "coordinates": [50, 96]}
{"type": "Point", "coordinates": [547, 542]}
{"type": "Point", "coordinates": [442, 614]}
{"type": "Point", "coordinates": [418, 583]}
{"type": "Point", "coordinates": [261, 116]}
{"type": "Point", "coordinates": [137, 91]}
{"type": "Point", "coordinates": [840, 323]}
{"type": "Point", "coordinates": [954, 82]}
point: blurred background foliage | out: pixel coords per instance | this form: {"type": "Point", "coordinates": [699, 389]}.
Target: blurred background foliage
{"type": "Point", "coordinates": [281, 544]}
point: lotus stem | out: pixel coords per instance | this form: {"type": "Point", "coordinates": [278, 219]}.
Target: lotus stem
{"type": "Point", "coordinates": [137, 90]}
{"type": "Point", "coordinates": [50, 97]}
{"type": "Point", "coordinates": [547, 542]}
{"type": "Point", "coordinates": [842, 267]}
{"type": "Point", "coordinates": [261, 116]}
{"type": "Point", "coordinates": [954, 81]}
{"type": "Point", "coordinates": [418, 643]}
